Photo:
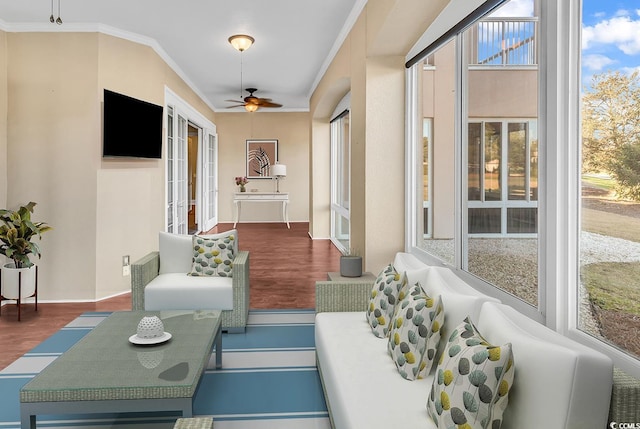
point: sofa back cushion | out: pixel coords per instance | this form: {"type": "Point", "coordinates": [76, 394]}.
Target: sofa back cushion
{"type": "Point", "coordinates": [415, 270]}
{"type": "Point", "coordinates": [176, 253]}
{"type": "Point", "coordinates": [558, 383]}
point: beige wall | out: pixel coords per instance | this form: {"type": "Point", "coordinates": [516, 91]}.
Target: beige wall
{"type": "Point", "coordinates": [131, 194]}
{"type": "Point", "coordinates": [3, 119]}
{"type": "Point", "coordinates": [503, 93]}
{"type": "Point", "coordinates": [371, 63]}
{"type": "Point", "coordinates": [292, 132]}
{"type": "Point", "coordinates": [100, 209]}
{"type": "Point", "coordinates": [53, 152]}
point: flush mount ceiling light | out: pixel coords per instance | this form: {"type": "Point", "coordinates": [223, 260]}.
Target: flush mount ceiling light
{"type": "Point", "coordinates": [241, 42]}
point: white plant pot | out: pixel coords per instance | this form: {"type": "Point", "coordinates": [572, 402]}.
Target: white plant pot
{"type": "Point", "coordinates": [10, 278]}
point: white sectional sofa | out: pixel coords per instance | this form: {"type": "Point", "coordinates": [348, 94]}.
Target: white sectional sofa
{"type": "Point", "coordinates": [559, 384]}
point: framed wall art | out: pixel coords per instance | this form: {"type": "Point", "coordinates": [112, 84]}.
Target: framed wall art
{"type": "Point", "coordinates": [261, 155]}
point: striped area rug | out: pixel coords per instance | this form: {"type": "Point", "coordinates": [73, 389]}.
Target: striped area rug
{"type": "Point", "coordinates": [268, 379]}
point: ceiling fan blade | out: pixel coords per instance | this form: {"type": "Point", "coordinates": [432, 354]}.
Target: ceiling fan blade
{"type": "Point", "coordinates": [235, 101]}
{"type": "Point", "coordinates": [237, 105]}
{"type": "Point", "coordinates": [265, 103]}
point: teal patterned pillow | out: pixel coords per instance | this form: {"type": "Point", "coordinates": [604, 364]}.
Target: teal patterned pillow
{"type": "Point", "coordinates": [472, 381]}
{"type": "Point", "coordinates": [415, 333]}
{"type": "Point", "coordinates": [213, 256]}
{"type": "Point", "coordinates": [384, 296]}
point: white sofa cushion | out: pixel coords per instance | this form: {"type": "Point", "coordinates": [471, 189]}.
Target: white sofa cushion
{"type": "Point", "coordinates": [471, 382]}
{"type": "Point", "coordinates": [178, 291]}
{"type": "Point", "coordinates": [176, 253]}
{"type": "Point", "coordinates": [559, 383]}
{"type": "Point", "coordinates": [412, 267]}
{"type": "Point", "coordinates": [361, 380]}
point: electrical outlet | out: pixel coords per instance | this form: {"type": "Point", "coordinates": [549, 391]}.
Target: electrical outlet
{"type": "Point", "coordinates": [126, 266]}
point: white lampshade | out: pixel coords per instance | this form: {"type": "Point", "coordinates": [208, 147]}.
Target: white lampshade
{"type": "Point", "coordinates": [278, 170]}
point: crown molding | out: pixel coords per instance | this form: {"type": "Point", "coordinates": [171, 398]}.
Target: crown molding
{"type": "Point", "coordinates": [342, 36]}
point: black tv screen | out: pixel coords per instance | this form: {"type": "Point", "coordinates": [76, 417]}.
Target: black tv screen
{"type": "Point", "coordinates": [131, 127]}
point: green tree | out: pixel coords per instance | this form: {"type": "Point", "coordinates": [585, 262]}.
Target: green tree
{"type": "Point", "coordinates": [611, 129]}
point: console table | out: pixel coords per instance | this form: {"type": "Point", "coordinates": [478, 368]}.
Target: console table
{"type": "Point", "coordinates": [262, 197]}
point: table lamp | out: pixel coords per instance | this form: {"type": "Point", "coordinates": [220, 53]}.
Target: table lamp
{"type": "Point", "coordinates": [278, 171]}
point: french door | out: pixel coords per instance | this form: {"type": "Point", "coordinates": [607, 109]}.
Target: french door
{"type": "Point", "coordinates": [179, 116]}
{"type": "Point", "coordinates": [208, 171]}
{"type": "Point", "coordinates": [176, 168]}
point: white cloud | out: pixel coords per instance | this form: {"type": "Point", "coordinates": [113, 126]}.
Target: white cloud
{"type": "Point", "coordinates": [621, 31]}
{"type": "Point", "coordinates": [630, 70]}
{"type": "Point", "coordinates": [596, 62]}
{"type": "Point", "coordinates": [515, 8]}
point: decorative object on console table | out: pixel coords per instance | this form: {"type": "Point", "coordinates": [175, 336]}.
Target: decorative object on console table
{"type": "Point", "coordinates": [261, 155]}
{"type": "Point", "coordinates": [242, 181]}
{"type": "Point", "coordinates": [19, 279]}
{"type": "Point", "coordinates": [350, 263]}
{"type": "Point", "coordinates": [278, 171]}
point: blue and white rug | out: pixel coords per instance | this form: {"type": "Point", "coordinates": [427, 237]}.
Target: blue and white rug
{"type": "Point", "coordinates": [268, 379]}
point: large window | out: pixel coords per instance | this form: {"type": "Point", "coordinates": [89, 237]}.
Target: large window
{"type": "Point", "coordinates": [524, 169]}
{"type": "Point", "coordinates": [340, 180]}
{"type": "Point", "coordinates": [609, 293]}
{"type": "Point", "coordinates": [478, 103]}
{"type": "Point", "coordinates": [436, 150]}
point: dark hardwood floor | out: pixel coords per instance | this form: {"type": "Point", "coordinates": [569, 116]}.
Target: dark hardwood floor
{"type": "Point", "coordinates": [284, 266]}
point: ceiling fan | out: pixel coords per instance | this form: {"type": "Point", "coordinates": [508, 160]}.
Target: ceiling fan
{"type": "Point", "coordinates": [252, 103]}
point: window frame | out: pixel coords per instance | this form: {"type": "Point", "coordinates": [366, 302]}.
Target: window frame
{"type": "Point", "coordinates": [558, 181]}
{"type": "Point", "coordinates": [412, 149]}
{"type": "Point", "coordinates": [338, 141]}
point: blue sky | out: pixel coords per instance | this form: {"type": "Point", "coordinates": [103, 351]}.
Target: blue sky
{"type": "Point", "coordinates": [610, 36]}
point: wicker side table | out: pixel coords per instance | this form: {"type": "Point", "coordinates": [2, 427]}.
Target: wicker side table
{"type": "Point", "coordinates": [194, 423]}
{"type": "Point", "coordinates": [625, 398]}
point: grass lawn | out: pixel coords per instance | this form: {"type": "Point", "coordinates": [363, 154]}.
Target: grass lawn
{"type": "Point", "coordinates": [615, 294]}
{"type": "Point", "coordinates": [613, 286]}
{"type": "Point", "coordinates": [598, 181]}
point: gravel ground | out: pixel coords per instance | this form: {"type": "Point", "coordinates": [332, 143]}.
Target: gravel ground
{"type": "Point", "coordinates": [520, 258]}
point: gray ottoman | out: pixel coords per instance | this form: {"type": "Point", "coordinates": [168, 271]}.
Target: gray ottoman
{"type": "Point", "coordinates": [194, 423]}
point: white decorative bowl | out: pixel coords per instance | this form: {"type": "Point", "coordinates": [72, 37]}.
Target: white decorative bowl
{"type": "Point", "coordinates": [150, 331]}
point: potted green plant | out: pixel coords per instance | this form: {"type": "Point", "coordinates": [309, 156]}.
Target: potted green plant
{"type": "Point", "coordinates": [350, 263]}
{"type": "Point", "coordinates": [16, 234]}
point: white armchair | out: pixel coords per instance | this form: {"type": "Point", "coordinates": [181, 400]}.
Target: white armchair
{"type": "Point", "coordinates": [159, 281]}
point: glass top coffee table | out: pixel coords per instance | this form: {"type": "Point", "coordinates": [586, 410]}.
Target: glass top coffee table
{"type": "Point", "coordinates": [104, 372]}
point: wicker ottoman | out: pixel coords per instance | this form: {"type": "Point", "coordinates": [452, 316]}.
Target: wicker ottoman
{"type": "Point", "coordinates": [625, 398]}
{"type": "Point", "coordinates": [194, 423]}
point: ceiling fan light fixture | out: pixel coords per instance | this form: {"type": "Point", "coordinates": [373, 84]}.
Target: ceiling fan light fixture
{"type": "Point", "coordinates": [241, 42]}
{"type": "Point", "coordinates": [250, 107]}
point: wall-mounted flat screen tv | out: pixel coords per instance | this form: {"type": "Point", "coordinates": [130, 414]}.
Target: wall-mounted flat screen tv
{"type": "Point", "coordinates": [131, 127]}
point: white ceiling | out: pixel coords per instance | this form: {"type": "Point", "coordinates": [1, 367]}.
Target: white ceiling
{"type": "Point", "coordinates": [295, 39]}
